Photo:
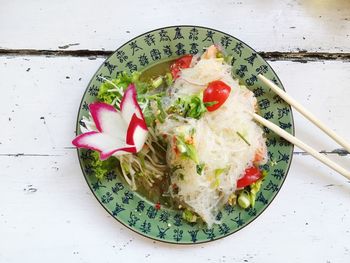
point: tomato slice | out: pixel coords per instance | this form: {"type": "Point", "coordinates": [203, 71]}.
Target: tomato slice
{"type": "Point", "coordinates": [180, 63]}
{"type": "Point", "coordinates": [217, 92]}
{"type": "Point", "coordinates": [251, 175]}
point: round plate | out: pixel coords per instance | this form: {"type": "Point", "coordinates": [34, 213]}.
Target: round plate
{"type": "Point", "coordinates": [133, 210]}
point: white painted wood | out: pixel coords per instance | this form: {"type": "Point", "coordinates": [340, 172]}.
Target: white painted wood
{"type": "Point", "coordinates": [273, 25]}
{"type": "Point", "coordinates": [305, 112]}
{"type": "Point", "coordinates": [52, 89]}
{"type": "Point", "coordinates": [300, 144]}
{"type": "Point", "coordinates": [62, 222]}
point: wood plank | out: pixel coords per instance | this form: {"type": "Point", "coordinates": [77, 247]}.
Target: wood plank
{"type": "Point", "coordinates": [45, 93]}
{"type": "Point", "coordinates": [47, 214]}
{"type": "Point", "coordinates": [292, 25]}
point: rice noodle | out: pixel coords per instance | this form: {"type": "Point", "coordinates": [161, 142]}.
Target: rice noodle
{"type": "Point", "coordinates": [215, 139]}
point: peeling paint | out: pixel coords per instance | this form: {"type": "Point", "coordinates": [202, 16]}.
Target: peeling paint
{"type": "Point", "coordinates": [300, 55]}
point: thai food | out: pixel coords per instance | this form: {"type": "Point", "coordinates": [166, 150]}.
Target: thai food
{"type": "Point", "coordinates": [181, 133]}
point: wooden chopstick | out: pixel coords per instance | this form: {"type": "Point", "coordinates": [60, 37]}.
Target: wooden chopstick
{"type": "Point", "coordinates": [287, 136]}
{"type": "Point", "coordinates": [305, 112]}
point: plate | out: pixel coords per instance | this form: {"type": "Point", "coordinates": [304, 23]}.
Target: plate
{"type": "Point", "coordinates": [133, 210]}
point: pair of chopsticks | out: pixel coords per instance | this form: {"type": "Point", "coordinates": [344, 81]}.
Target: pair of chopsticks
{"type": "Point", "coordinates": [287, 136]}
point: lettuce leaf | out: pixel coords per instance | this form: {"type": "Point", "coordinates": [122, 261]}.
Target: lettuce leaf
{"type": "Point", "coordinates": [122, 81]}
{"type": "Point", "coordinates": [189, 106]}
{"type": "Point", "coordinates": [101, 168]}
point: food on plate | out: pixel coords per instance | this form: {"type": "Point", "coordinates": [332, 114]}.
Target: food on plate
{"type": "Point", "coordinates": [183, 137]}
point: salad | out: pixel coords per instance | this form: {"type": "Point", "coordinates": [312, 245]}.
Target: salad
{"type": "Point", "coordinates": [181, 134]}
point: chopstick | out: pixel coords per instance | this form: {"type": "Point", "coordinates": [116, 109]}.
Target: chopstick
{"type": "Point", "coordinates": [287, 136]}
{"type": "Point", "coordinates": [305, 112]}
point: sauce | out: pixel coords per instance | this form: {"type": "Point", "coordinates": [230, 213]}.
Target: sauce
{"type": "Point", "coordinates": [154, 71]}
{"type": "Point", "coordinates": [158, 192]}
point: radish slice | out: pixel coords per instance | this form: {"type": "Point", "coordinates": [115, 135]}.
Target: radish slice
{"type": "Point", "coordinates": [137, 133]}
{"type": "Point", "coordinates": [103, 143]}
{"type": "Point", "coordinates": [129, 105]}
{"type": "Point", "coordinates": [118, 132]}
{"type": "Point", "coordinates": [107, 119]}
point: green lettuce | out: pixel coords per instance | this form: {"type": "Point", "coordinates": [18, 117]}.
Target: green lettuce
{"type": "Point", "coordinates": [189, 106]}
{"type": "Point", "coordinates": [101, 168]}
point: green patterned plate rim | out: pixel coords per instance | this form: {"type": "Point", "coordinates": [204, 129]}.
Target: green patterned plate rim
{"type": "Point", "coordinates": [167, 225]}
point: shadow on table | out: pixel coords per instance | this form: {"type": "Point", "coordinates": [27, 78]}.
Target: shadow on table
{"type": "Point", "coordinates": [326, 177]}
{"type": "Point", "coordinates": [326, 5]}
{"type": "Point", "coordinates": [333, 11]}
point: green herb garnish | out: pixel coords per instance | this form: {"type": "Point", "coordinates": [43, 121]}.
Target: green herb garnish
{"type": "Point", "coordinates": [169, 79]}
{"type": "Point", "coordinates": [186, 149]}
{"type": "Point", "coordinates": [189, 106]}
{"type": "Point", "coordinates": [200, 168]}
{"type": "Point", "coordinates": [189, 216]}
{"type": "Point", "coordinates": [219, 171]}
{"type": "Point", "coordinates": [210, 103]}
{"type": "Point", "coordinates": [242, 137]}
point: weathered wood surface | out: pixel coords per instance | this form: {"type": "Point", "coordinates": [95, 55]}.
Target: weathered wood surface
{"type": "Point", "coordinates": [48, 52]}
{"type": "Point", "coordinates": [47, 212]}
{"type": "Point", "coordinates": [270, 25]}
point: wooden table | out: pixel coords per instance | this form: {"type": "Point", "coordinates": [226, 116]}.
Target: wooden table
{"type": "Point", "coordinates": [48, 52]}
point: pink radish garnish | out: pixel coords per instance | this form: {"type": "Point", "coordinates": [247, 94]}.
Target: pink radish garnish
{"type": "Point", "coordinates": [118, 132]}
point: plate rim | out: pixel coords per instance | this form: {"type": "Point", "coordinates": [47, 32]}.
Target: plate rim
{"type": "Point", "coordinates": [146, 236]}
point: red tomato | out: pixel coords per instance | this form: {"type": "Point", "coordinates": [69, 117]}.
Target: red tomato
{"type": "Point", "coordinates": [251, 175]}
{"type": "Point", "coordinates": [180, 63]}
{"type": "Point", "coordinates": [217, 91]}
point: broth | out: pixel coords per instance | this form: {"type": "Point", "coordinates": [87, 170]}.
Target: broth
{"type": "Point", "coordinates": [158, 192]}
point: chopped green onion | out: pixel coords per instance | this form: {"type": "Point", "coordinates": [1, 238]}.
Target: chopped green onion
{"type": "Point", "coordinates": [264, 173]}
{"type": "Point", "coordinates": [199, 168]}
{"type": "Point", "coordinates": [162, 115]}
{"type": "Point", "coordinates": [189, 216]}
{"type": "Point", "coordinates": [187, 150]}
{"type": "Point", "coordinates": [219, 54]}
{"type": "Point", "coordinates": [217, 181]}
{"type": "Point", "coordinates": [219, 171]}
{"type": "Point", "coordinates": [252, 199]}
{"type": "Point", "coordinates": [210, 103]}
{"type": "Point", "coordinates": [181, 148]}
{"type": "Point", "coordinates": [228, 59]}
{"type": "Point", "coordinates": [168, 79]}
{"type": "Point", "coordinates": [157, 82]}
{"type": "Point", "coordinates": [192, 131]}
{"type": "Point", "coordinates": [255, 187]}
{"type": "Point", "coordinates": [242, 137]}
{"type": "Point", "coordinates": [192, 153]}
{"type": "Point", "coordinates": [243, 200]}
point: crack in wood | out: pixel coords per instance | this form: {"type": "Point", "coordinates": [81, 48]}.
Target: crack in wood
{"type": "Point", "coordinates": [304, 56]}
{"type": "Point", "coordinates": [56, 53]}
{"type": "Point", "coordinates": [340, 152]}
{"type": "Point", "coordinates": [301, 56]}
{"type": "Point", "coordinates": [27, 154]}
